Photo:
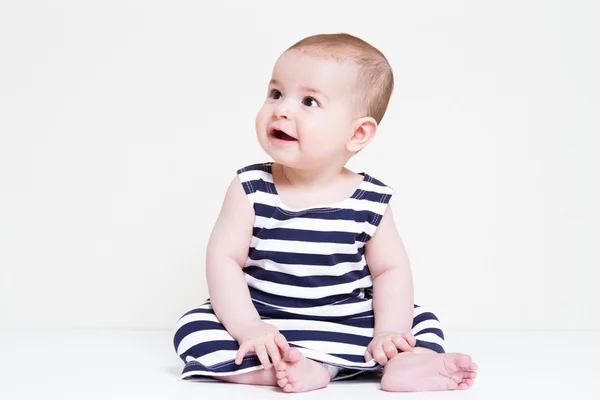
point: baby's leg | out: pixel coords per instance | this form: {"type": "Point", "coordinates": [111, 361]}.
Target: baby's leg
{"type": "Point", "coordinates": [295, 373]}
{"type": "Point", "coordinates": [199, 334]}
{"type": "Point", "coordinates": [206, 348]}
{"type": "Point", "coordinates": [261, 377]}
{"type": "Point", "coordinates": [427, 368]}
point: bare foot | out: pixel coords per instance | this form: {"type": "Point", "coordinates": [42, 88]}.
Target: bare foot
{"type": "Point", "coordinates": [296, 373]}
{"type": "Point", "coordinates": [418, 372]}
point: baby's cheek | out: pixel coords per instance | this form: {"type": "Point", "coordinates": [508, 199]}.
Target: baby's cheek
{"type": "Point", "coordinates": [262, 117]}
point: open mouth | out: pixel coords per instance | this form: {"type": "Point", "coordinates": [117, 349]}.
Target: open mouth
{"type": "Point", "coordinates": [281, 135]}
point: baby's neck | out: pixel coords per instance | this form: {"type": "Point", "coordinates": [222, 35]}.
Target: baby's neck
{"type": "Point", "coordinates": [311, 180]}
{"type": "Point", "coordinates": [301, 189]}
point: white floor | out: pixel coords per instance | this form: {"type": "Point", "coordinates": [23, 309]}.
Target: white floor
{"type": "Point", "coordinates": [121, 364]}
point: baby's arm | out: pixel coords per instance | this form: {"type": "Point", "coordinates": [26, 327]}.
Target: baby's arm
{"type": "Point", "coordinates": [229, 295]}
{"type": "Point", "coordinates": [393, 293]}
{"type": "Point", "coordinates": [225, 257]}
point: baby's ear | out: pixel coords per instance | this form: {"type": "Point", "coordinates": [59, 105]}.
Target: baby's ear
{"type": "Point", "coordinates": [363, 131]}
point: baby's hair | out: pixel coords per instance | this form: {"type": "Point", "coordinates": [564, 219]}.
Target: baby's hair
{"type": "Point", "coordinates": [375, 80]}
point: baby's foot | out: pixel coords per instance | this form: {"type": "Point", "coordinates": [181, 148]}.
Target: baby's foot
{"type": "Point", "coordinates": [296, 373]}
{"type": "Point", "coordinates": [417, 372]}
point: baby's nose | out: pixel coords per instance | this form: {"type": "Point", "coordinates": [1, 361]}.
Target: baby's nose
{"type": "Point", "coordinates": [282, 110]}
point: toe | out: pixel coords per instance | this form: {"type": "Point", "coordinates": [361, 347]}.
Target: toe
{"type": "Point", "coordinates": [457, 377]}
{"type": "Point", "coordinates": [458, 363]}
{"type": "Point", "coordinates": [471, 375]}
{"type": "Point", "coordinates": [463, 361]}
{"type": "Point", "coordinates": [281, 366]}
{"type": "Point", "coordinates": [292, 355]}
{"type": "Point", "coordinates": [280, 374]}
{"type": "Point", "coordinates": [282, 382]}
{"type": "Point", "coordinates": [288, 388]}
{"type": "Point", "coordinates": [468, 382]}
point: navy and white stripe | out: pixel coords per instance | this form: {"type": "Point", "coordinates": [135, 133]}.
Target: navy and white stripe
{"type": "Point", "coordinates": [308, 276]}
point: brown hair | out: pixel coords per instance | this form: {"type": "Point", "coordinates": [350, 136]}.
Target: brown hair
{"type": "Point", "coordinates": [375, 81]}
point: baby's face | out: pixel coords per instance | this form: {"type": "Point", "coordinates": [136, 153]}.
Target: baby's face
{"type": "Point", "coordinates": [306, 120]}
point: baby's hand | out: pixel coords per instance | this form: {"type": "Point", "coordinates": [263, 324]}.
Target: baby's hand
{"type": "Point", "coordinates": [264, 340]}
{"type": "Point", "coordinates": [386, 345]}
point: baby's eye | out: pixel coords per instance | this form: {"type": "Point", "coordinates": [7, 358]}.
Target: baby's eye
{"type": "Point", "coordinates": [275, 94]}
{"type": "Point", "coordinates": [310, 102]}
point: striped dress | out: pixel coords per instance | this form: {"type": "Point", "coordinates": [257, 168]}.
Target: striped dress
{"type": "Point", "coordinates": [308, 276]}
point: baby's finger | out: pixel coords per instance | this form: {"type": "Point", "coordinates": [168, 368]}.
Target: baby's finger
{"type": "Point", "coordinates": [368, 356]}
{"type": "Point", "coordinates": [273, 351]}
{"type": "Point", "coordinates": [401, 344]}
{"type": "Point", "coordinates": [261, 352]}
{"type": "Point", "coordinates": [390, 350]}
{"type": "Point", "coordinates": [239, 357]}
{"type": "Point", "coordinates": [282, 342]}
{"type": "Point", "coordinates": [380, 356]}
{"type": "Point", "coordinates": [408, 336]}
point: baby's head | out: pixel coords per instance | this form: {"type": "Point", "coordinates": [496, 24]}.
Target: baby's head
{"type": "Point", "coordinates": [326, 97]}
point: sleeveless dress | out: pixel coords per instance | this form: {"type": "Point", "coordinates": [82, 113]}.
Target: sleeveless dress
{"type": "Point", "coordinates": [308, 276]}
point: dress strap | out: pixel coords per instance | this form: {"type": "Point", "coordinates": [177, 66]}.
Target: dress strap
{"type": "Point", "coordinates": [257, 181]}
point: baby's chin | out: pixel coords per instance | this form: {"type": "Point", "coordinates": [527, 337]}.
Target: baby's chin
{"type": "Point", "coordinates": [284, 159]}
{"type": "Point", "coordinates": [281, 157]}
{"type": "Point", "coordinates": [296, 161]}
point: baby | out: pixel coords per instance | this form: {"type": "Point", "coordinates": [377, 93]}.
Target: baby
{"type": "Point", "coordinates": [307, 275]}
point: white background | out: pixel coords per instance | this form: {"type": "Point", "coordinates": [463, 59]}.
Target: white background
{"type": "Point", "coordinates": [122, 123]}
